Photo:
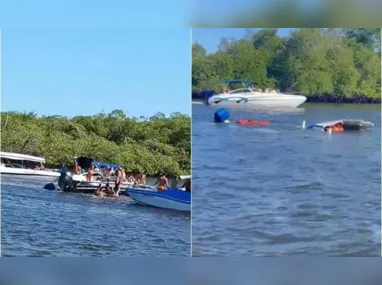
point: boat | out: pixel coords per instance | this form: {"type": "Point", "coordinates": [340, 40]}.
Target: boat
{"type": "Point", "coordinates": [178, 199]}
{"type": "Point", "coordinates": [23, 166]}
{"type": "Point", "coordinates": [78, 183]}
{"type": "Point", "coordinates": [249, 95]}
{"type": "Point", "coordinates": [340, 126]}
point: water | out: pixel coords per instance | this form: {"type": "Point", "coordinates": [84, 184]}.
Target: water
{"type": "Point", "coordinates": [282, 190]}
{"type": "Point", "coordinates": [38, 222]}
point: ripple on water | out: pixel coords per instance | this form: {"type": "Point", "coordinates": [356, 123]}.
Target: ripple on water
{"type": "Point", "coordinates": [283, 190]}
{"type": "Point", "coordinates": [36, 222]}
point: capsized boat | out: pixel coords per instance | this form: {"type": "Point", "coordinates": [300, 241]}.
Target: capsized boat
{"type": "Point", "coordinates": [23, 166]}
{"type": "Point", "coordinates": [178, 199]}
{"type": "Point", "coordinates": [342, 125]}
{"type": "Point", "coordinates": [255, 97]}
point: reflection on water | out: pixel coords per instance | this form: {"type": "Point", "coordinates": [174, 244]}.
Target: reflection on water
{"type": "Point", "coordinates": [38, 222]}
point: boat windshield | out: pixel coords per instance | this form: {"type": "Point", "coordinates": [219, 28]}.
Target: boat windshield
{"type": "Point", "coordinates": [15, 163]}
{"type": "Point", "coordinates": [241, 90]}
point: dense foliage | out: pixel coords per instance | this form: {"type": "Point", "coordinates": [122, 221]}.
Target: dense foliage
{"type": "Point", "coordinates": [343, 63]}
{"type": "Point", "coordinates": [158, 144]}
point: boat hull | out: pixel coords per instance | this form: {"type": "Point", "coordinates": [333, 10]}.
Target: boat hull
{"type": "Point", "coordinates": [258, 101]}
{"type": "Point", "coordinates": [16, 174]}
{"type": "Point", "coordinates": [170, 199]}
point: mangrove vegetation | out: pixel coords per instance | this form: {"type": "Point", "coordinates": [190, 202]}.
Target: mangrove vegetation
{"type": "Point", "coordinates": [158, 144]}
{"type": "Point", "coordinates": [326, 65]}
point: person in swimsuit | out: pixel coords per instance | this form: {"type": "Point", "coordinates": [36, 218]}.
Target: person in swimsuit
{"type": "Point", "coordinates": [142, 178]}
{"type": "Point", "coordinates": [162, 183]}
{"type": "Point", "coordinates": [90, 173]}
{"type": "Point", "coordinates": [117, 183]}
{"type": "Point", "coordinates": [99, 192]}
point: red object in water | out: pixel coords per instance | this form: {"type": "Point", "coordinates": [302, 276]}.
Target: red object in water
{"type": "Point", "coordinates": [337, 128]}
{"type": "Point", "coordinates": [253, 123]}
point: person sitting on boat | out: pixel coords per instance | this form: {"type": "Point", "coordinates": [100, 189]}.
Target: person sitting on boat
{"type": "Point", "coordinates": [130, 179]}
{"type": "Point", "coordinates": [77, 169]}
{"type": "Point", "coordinates": [142, 178]}
{"type": "Point", "coordinates": [162, 183]}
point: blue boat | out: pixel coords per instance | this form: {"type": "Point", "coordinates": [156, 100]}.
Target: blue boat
{"type": "Point", "coordinates": [173, 199]}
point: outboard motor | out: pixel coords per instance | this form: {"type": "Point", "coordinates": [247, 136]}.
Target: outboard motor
{"type": "Point", "coordinates": [65, 182]}
{"type": "Point", "coordinates": [206, 94]}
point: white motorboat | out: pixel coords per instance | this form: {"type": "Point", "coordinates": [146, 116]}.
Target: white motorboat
{"type": "Point", "coordinates": [26, 167]}
{"type": "Point", "coordinates": [255, 98]}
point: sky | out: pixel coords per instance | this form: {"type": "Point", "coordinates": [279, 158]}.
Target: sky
{"type": "Point", "coordinates": [94, 13]}
{"type": "Point", "coordinates": [210, 38]}
{"type": "Point", "coordinates": [73, 72]}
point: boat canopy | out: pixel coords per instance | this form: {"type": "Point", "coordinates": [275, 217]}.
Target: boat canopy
{"type": "Point", "coordinates": [245, 83]}
{"type": "Point", "coordinates": [23, 157]}
{"type": "Point", "coordinates": [104, 164]}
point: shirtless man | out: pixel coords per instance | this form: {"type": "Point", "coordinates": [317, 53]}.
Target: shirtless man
{"type": "Point", "coordinates": [162, 183]}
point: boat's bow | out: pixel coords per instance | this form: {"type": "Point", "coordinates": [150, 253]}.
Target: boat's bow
{"type": "Point", "coordinates": [173, 199]}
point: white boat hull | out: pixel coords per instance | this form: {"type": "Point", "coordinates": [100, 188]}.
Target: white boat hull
{"type": "Point", "coordinates": [159, 202]}
{"type": "Point", "coordinates": [28, 174]}
{"type": "Point", "coordinates": [258, 100]}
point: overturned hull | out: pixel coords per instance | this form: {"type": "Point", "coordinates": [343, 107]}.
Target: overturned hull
{"type": "Point", "coordinates": [343, 125]}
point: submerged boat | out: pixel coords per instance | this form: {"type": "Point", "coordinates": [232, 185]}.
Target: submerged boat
{"type": "Point", "coordinates": [178, 199]}
{"type": "Point", "coordinates": [255, 97]}
{"type": "Point", "coordinates": [22, 166]}
{"type": "Point", "coordinates": [342, 126]}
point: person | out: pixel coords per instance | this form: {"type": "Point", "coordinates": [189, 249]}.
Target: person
{"type": "Point", "coordinates": [99, 192]}
{"type": "Point", "coordinates": [77, 169]}
{"type": "Point", "coordinates": [131, 178]}
{"type": "Point", "coordinates": [142, 178]}
{"type": "Point", "coordinates": [90, 173]}
{"type": "Point", "coordinates": [123, 174]}
{"type": "Point", "coordinates": [162, 183]}
{"type": "Point", "coordinates": [117, 183]}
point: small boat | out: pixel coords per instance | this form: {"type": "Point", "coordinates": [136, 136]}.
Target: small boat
{"type": "Point", "coordinates": [340, 126]}
{"type": "Point", "coordinates": [173, 199]}
{"type": "Point", "coordinates": [253, 123]}
{"type": "Point", "coordinates": [26, 167]}
{"type": "Point", "coordinates": [254, 97]}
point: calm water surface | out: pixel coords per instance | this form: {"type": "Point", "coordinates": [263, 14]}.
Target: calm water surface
{"type": "Point", "coordinates": [38, 222]}
{"type": "Point", "coordinates": [283, 190]}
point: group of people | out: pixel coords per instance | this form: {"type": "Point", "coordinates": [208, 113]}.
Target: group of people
{"type": "Point", "coordinates": [120, 177]}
